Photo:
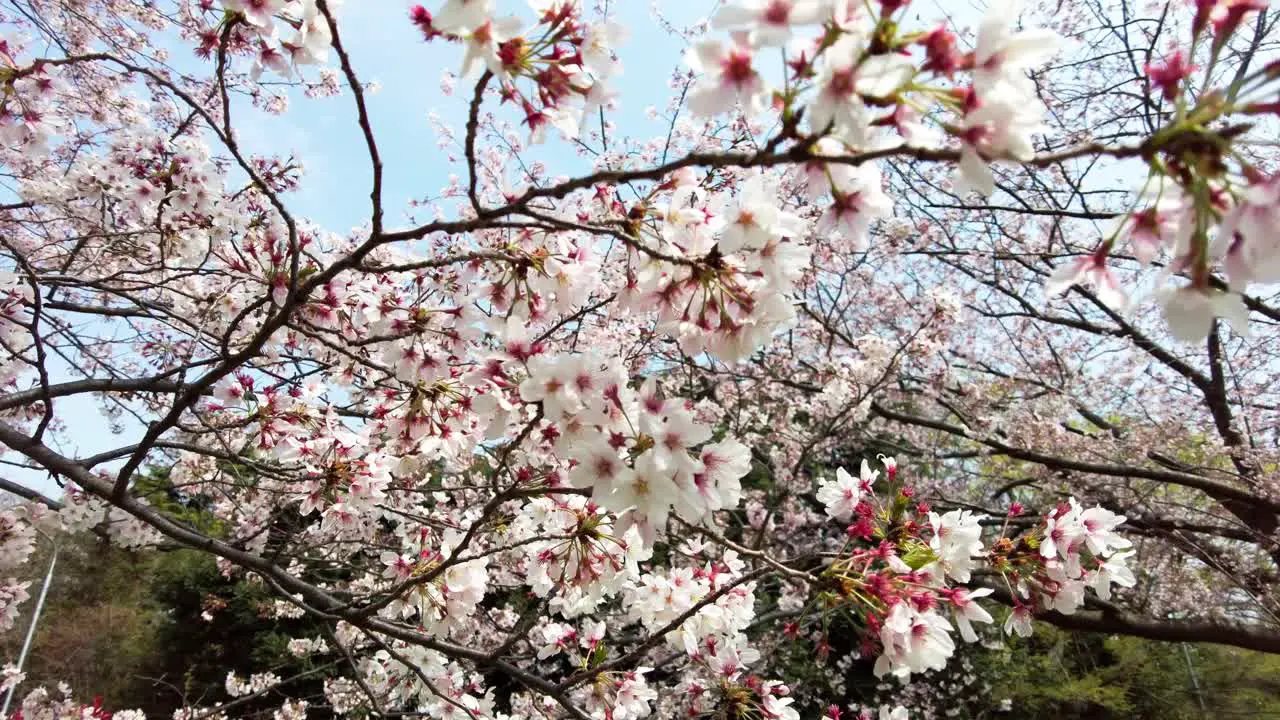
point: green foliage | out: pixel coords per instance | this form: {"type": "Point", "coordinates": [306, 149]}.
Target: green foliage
{"type": "Point", "coordinates": [1055, 675]}
{"type": "Point", "coordinates": [129, 626]}
{"type": "Point", "coordinates": [94, 619]}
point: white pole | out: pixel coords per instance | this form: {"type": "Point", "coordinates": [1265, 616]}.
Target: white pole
{"type": "Point", "coordinates": [31, 631]}
{"type": "Point", "coordinates": [1195, 681]}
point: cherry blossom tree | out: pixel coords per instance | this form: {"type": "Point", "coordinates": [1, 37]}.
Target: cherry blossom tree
{"type": "Point", "coordinates": [904, 325]}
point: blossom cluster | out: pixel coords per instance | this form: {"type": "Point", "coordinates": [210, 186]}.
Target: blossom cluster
{"type": "Point", "coordinates": [1079, 548]}
{"type": "Point", "coordinates": [905, 564]}
{"type": "Point", "coordinates": [40, 704]}
{"type": "Point", "coordinates": [417, 676]}
{"type": "Point", "coordinates": [15, 293]}
{"type": "Point", "coordinates": [27, 119]}
{"type": "Point", "coordinates": [17, 543]}
{"type": "Point", "coordinates": [579, 557]}
{"type": "Point", "coordinates": [1201, 206]}
{"type": "Point", "coordinates": [722, 267]}
{"type": "Point", "coordinates": [557, 72]}
{"type": "Point", "coordinates": [307, 43]}
{"type": "Point", "coordinates": [258, 682]}
{"type": "Point", "coordinates": [858, 83]}
{"type": "Point", "coordinates": [643, 456]}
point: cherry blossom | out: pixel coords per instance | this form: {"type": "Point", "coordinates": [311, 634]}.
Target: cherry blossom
{"type": "Point", "coordinates": [967, 612]}
{"type": "Point", "coordinates": [728, 77]}
{"type": "Point", "coordinates": [577, 423]}
{"type": "Point", "coordinates": [847, 76]}
{"type": "Point", "coordinates": [1002, 52]}
{"type": "Point", "coordinates": [1250, 250]}
{"type": "Point", "coordinates": [997, 123]}
{"type": "Point", "coordinates": [1191, 312]}
{"type": "Point", "coordinates": [914, 642]}
{"type": "Point", "coordinates": [956, 541]}
{"type": "Point", "coordinates": [462, 15]}
{"type": "Point", "coordinates": [842, 496]}
{"type": "Point", "coordinates": [1166, 224]}
{"type": "Point", "coordinates": [769, 21]}
{"type": "Point", "coordinates": [258, 12]}
{"type": "Point", "coordinates": [483, 42]}
{"type": "Point", "coordinates": [1092, 269]}
{"type": "Point", "coordinates": [857, 201]}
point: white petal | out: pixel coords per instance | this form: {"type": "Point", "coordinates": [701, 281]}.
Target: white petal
{"type": "Point", "coordinates": [705, 56]}
{"type": "Point", "coordinates": [974, 175]}
{"type": "Point", "coordinates": [1032, 46]}
{"type": "Point", "coordinates": [710, 100]}
{"type": "Point", "coordinates": [1230, 307]}
{"type": "Point", "coordinates": [1064, 277]}
{"type": "Point", "coordinates": [732, 16]}
{"type": "Point", "coordinates": [1189, 313]}
{"type": "Point", "coordinates": [881, 75]}
{"type": "Point", "coordinates": [1109, 291]}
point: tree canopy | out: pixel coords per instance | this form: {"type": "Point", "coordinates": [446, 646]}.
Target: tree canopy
{"type": "Point", "coordinates": [909, 333]}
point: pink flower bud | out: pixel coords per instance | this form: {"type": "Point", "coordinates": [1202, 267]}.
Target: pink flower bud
{"type": "Point", "coordinates": [1170, 76]}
